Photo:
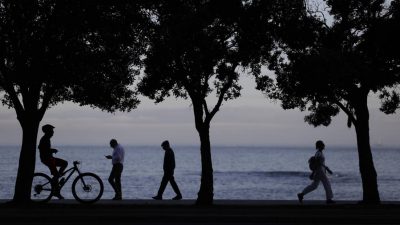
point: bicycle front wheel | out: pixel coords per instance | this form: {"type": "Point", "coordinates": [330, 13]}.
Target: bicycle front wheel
{"type": "Point", "coordinates": [87, 188]}
{"type": "Point", "coordinates": [41, 188]}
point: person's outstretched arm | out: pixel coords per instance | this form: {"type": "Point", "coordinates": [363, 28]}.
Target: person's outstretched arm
{"type": "Point", "coordinates": [328, 170]}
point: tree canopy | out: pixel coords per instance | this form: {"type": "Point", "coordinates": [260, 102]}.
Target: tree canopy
{"type": "Point", "coordinates": [333, 66]}
{"type": "Point", "coordinates": [337, 62]}
{"type": "Point", "coordinates": [193, 43]}
{"type": "Point", "coordinates": [76, 51]}
{"type": "Point", "coordinates": [51, 51]}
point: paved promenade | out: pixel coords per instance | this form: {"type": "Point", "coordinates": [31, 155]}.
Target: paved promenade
{"type": "Point", "coordinates": [185, 212]}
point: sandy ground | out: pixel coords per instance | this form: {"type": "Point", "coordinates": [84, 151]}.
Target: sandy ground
{"type": "Point", "coordinates": [185, 212]}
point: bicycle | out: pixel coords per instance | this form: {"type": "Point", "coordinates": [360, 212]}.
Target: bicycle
{"type": "Point", "coordinates": [86, 187]}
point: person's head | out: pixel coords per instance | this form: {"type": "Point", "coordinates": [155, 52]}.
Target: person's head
{"type": "Point", "coordinates": [319, 145]}
{"type": "Point", "coordinates": [113, 143]}
{"type": "Point", "coordinates": [48, 129]}
{"type": "Point", "coordinates": [165, 145]}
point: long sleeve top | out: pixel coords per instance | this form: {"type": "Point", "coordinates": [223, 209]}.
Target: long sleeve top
{"type": "Point", "coordinates": [169, 161]}
{"type": "Point", "coordinates": [118, 155]}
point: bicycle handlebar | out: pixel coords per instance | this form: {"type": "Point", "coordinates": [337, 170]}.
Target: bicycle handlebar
{"type": "Point", "coordinates": [77, 163]}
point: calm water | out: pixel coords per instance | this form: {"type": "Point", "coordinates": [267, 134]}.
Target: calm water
{"type": "Point", "coordinates": [274, 173]}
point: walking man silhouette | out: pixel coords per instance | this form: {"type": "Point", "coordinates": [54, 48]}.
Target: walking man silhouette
{"type": "Point", "coordinates": [169, 167]}
{"type": "Point", "coordinates": [117, 159]}
{"type": "Point", "coordinates": [46, 156]}
{"type": "Point", "coordinates": [319, 175]}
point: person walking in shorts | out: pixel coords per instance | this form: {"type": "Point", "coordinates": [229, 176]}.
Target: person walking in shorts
{"type": "Point", "coordinates": [319, 175]}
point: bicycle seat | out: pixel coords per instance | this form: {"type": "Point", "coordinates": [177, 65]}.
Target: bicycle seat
{"type": "Point", "coordinates": [77, 162]}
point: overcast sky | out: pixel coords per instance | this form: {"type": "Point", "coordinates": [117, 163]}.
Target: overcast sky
{"type": "Point", "coordinates": [251, 120]}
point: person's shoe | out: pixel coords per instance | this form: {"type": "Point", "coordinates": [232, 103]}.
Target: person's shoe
{"type": "Point", "coordinates": [157, 197]}
{"type": "Point", "coordinates": [178, 197]}
{"type": "Point", "coordinates": [300, 196]}
{"type": "Point", "coordinates": [117, 197]}
{"type": "Point", "coordinates": [330, 201]}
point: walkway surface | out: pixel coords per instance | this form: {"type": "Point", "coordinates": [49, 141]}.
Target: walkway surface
{"type": "Point", "coordinates": [185, 212]}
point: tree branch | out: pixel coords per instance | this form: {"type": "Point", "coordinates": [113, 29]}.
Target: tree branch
{"type": "Point", "coordinates": [26, 97]}
{"type": "Point", "coordinates": [8, 87]}
{"type": "Point", "coordinates": [205, 85]}
{"type": "Point", "coordinates": [221, 96]}
{"type": "Point", "coordinates": [205, 106]}
{"type": "Point", "coordinates": [34, 92]}
{"type": "Point", "coordinates": [315, 11]}
{"type": "Point", "coordinates": [47, 95]}
{"type": "Point", "coordinates": [347, 111]}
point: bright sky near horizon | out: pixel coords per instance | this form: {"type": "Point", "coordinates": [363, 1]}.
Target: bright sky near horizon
{"type": "Point", "coordinates": [251, 120]}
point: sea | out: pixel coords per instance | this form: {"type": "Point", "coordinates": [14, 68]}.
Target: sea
{"type": "Point", "coordinates": [240, 172]}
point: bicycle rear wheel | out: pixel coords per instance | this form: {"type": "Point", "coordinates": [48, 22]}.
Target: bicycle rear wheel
{"type": "Point", "coordinates": [41, 188]}
{"type": "Point", "coordinates": [87, 188]}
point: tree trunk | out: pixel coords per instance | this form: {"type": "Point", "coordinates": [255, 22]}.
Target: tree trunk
{"type": "Point", "coordinates": [27, 159]}
{"type": "Point", "coordinates": [366, 163]}
{"type": "Point", "coordinates": [206, 192]}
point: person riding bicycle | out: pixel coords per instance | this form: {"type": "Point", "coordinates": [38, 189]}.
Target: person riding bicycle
{"type": "Point", "coordinates": [46, 156]}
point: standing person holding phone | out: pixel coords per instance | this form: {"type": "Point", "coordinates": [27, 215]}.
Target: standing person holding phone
{"type": "Point", "coordinates": [117, 158]}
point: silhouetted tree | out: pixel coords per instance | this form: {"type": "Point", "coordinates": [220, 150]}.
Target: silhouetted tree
{"type": "Point", "coordinates": [386, 37]}
{"type": "Point", "coordinates": [194, 52]}
{"type": "Point", "coordinates": [332, 60]}
{"type": "Point", "coordinates": [53, 51]}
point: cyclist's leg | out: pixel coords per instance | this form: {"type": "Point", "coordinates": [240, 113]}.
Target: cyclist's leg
{"type": "Point", "coordinates": [52, 164]}
{"type": "Point", "coordinates": [62, 164]}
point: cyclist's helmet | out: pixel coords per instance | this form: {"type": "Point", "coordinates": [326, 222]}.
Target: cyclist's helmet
{"type": "Point", "coordinates": [47, 128]}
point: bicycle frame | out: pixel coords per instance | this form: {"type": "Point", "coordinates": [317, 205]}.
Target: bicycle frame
{"type": "Point", "coordinates": [72, 171]}
{"type": "Point", "coordinates": [86, 187]}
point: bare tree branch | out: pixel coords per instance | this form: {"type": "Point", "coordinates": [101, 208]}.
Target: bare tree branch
{"type": "Point", "coordinates": [224, 89]}
{"type": "Point", "coordinates": [347, 111]}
